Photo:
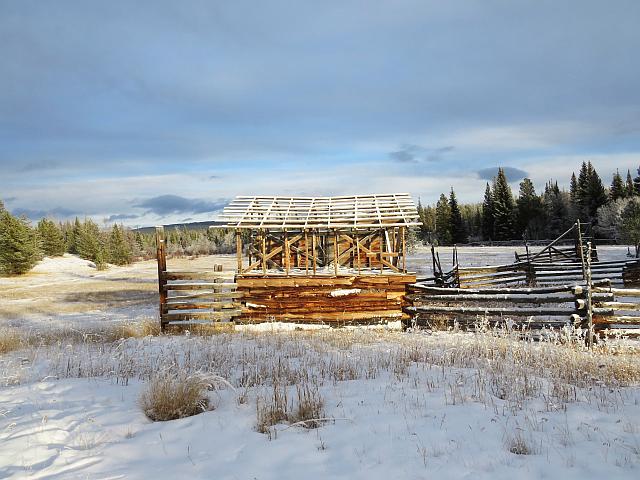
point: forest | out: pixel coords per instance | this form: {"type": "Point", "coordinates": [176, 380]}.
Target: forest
{"type": "Point", "coordinates": [612, 211]}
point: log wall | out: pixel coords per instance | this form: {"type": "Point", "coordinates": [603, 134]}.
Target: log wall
{"type": "Point", "coordinates": [331, 300]}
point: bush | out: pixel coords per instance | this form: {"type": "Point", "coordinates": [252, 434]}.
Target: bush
{"type": "Point", "coordinates": [169, 397]}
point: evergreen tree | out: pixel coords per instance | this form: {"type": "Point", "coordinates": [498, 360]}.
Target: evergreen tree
{"type": "Point", "coordinates": [618, 189]}
{"type": "Point", "coordinates": [636, 184]}
{"type": "Point", "coordinates": [19, 250]}
{"type": "Point", "coordinates": [629, 185]}
{"type": "Point", "coordinates": [573, 190]}
{"type": "Point", "coordinates": [591, 194]}
{"type": "Point", "coordinates": [89, 243]}
{"type": "Point", "coordinates": [530, 211]}
{"type": "Point", "coordinates": [73, 237]}
{"type": "Point", "coordinates": [51, 239]}
{"type": "Point", "coordinates": [557, 206]}
{"type": "Point", "coordinates": [503, 208]}
{"type": "Point", "coordinates": [119, 252]}
{"type": "Point", "coordinates": [596, 194]}
{"type": "Point", "coordinates": [631, 223]}
{"type": "Point", "coordinates": [458, 229]}
{"type": "Point", "coordinates": [487, 214]}
{"type": "Point", "coordinates": [443, 221]}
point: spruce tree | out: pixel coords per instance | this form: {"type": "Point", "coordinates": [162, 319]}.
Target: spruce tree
{"type": "Point", "coordinates": [596, 194]}
{"type": "Point", "coordinates": [618, 189]}
{"type": "Point", "coordinates": [487, 214]}
{"type": "Point", "coordinates": [443, 221]}
{"type": "Point", "coordinates": [73, 237]}
{"type": "Point", "coordinates": [51, 239]}
{"type": "Point", "coordinates": [503, 208]}
{"type": "Point", "coordinates": [636, 184]}
{"type": "Point", "coordinates": [89, 243]}
{"type": "Point", "coordinates": [119, 252]}
{"type": "Point", "coordinates": [629, 185]}
{"type": "Point", "coordinates": [19, 250]}
{"type": "Point", "coordinates": [530, 211]}
{"type": "Point", "coordinates": [557, 206]}
{"type": "Point", "coordinates": [458, 229]}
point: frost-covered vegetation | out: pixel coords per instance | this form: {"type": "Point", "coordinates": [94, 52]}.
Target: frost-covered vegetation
{"type": "Point", "coordinates": [355, 399]}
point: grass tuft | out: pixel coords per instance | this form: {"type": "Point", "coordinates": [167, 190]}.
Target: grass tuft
{"type": "Point", "coordinates": [172, 396]}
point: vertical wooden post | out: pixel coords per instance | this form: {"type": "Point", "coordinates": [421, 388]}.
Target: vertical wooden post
{"type": "Point", "coordinates": [314, 248]}
{"type": "Point", "coordinates": [306, 253]}
{"type": "Point", "coordinates": [580, 249]}
{"type": "Point", "coordinates": [357, 238]}
{"type": "Point", "coordinates": [161, 256]}
{"type": "Point", "coordinates": [239, 250]}
{"type": "Point", "coordinates": [263, 240]}
{"type": "Point", "coordinates": [381, 250]}
{"type": "Point", "coordinates": [589, 298]}
{"type": "Point", "coordinates": [403, 241]}
{"type": "Point", "coordinates": [336, 254]}
{"type": "Point", "coordinates": [285, 237]}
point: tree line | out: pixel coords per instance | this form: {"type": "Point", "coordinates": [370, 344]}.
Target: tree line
{"type": "Point", "coordinates": [23, 245]}
{"type": "Point", "coordinates": [612, 211]}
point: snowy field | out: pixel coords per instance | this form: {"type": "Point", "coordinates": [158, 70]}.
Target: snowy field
{"type": "Point", "coordinates": [75, 358]}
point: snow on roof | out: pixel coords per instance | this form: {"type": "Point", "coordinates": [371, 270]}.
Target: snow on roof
{"type": "Point", "coordinates": [358, 211]}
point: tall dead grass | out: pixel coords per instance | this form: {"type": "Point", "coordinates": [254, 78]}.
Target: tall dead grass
{"type": "Point", "coordinates": [169, 396]}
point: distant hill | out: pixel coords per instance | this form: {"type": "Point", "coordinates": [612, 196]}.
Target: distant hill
{"type": "Point", "coordinates": [188, 226]}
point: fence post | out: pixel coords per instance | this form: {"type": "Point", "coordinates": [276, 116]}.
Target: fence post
{"type": "Point", "coordinates": [161, 256]}
{"type": "Point", "coordinates": [589, 298]}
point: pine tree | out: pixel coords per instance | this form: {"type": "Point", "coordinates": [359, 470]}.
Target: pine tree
{"type": "Point", "coordinates": [573, 190]}
{"type": "Point", "coordinates": [631, 223]}
{"type": "Point", "coordinates": [51, 239]}
{"type": "Point", "coordinates": [629, 185]}
{"type": "Point", "coordinates": [557, 206]}
{"type": "Point", "coordinates": [73, 237]}
{"type": "Point", "coordinates": [503, 208]}
{"type": "Point", "coordinates": [596, 194]}
{"type": "Point", "coordinates": [443, 221]}
{"type": "Point", "coordinates": [636, 184]}
{"type": "Point", "coordinates": [119, 252]}
{"type": "Point", "coordinates": [618, 189]}
{"type": "Point", "coordinates": [530, 211]}
{"type": "Point", "coordinates": [458, 229]}
{"type": "Point", "coordinates": [19, 250]}
{"type": "Point", "coordinates": [487, 214]}
{"type": "Point", "coordinates": [89, 243]}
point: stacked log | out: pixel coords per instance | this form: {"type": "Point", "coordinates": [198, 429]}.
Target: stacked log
{"type": "Point", "coordinates": [331, 300]}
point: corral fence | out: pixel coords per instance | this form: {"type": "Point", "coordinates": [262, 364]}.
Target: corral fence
{"type": "Point", "coordinates": [542, 307]}
{"type": "Point", "coordinates": [585, 295]}
{"type": "Point", "coordinates": [194, 297]}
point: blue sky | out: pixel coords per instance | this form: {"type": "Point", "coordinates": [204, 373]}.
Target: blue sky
{"type": "Point", "coordinates": [159, 111]}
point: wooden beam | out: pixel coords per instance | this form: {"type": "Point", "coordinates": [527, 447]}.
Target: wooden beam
{"type": "Point", "coordinates": [239, 249]}
{"type": "Point", "coordinates": [161, 256]}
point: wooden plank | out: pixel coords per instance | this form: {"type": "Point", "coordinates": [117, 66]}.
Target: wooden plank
{"type": "Point", "coordinates": [524, 291]}
{"type": "Point", "coordinates": [204, 275]}
{"type": "Point", "coordinates": [184, 316]}
{"type": "Point", "coordinates": [527, 312]}
{"type": "Point", "coordinates": [210, 294]}
{"type": "Point", "coordinates": [215, 306]}
{"type": "Point", "coordinates": [199, 286]}
{"type": "Point", "coordinates": [161, 258]}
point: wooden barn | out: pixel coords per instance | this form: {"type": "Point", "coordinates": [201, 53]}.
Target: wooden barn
{"type": "Point", "coordinates": [321, 259]}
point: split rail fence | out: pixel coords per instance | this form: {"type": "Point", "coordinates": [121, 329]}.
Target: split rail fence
{"type": "Point", "coordinates": [195, 297]}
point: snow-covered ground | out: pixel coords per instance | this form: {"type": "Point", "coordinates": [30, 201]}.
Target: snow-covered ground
{"type": "Point", "coordinates": [395, 404]}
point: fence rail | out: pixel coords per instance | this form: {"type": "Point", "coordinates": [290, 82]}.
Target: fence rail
{"type": "Point", "coordinates": [540, 307]}
{"type": "Point", "coordinates": [194, 297]}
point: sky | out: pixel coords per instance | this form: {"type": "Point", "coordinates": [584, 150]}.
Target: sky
{"type": "Point", "coordinates": [154, 112]}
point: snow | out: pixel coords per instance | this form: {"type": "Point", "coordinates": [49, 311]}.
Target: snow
{"type": "Point", "coordinates": [400, 404]}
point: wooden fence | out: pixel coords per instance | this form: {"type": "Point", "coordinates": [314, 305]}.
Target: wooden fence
{"type": "Point", "coordinates": [188, 298]}
{"type": "Point", "coordinates": [596, 309]}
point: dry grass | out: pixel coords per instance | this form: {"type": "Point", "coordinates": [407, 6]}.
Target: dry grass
{"type": "Point", "coordinates": [169, 396]}
{"type": "Point", "coordinates": [10, 340]}
{"type": "Point", "coordinates": [306, 409]}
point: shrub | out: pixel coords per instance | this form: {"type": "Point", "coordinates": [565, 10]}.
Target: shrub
{"type": "Point", "coordinates": [172, 396]}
